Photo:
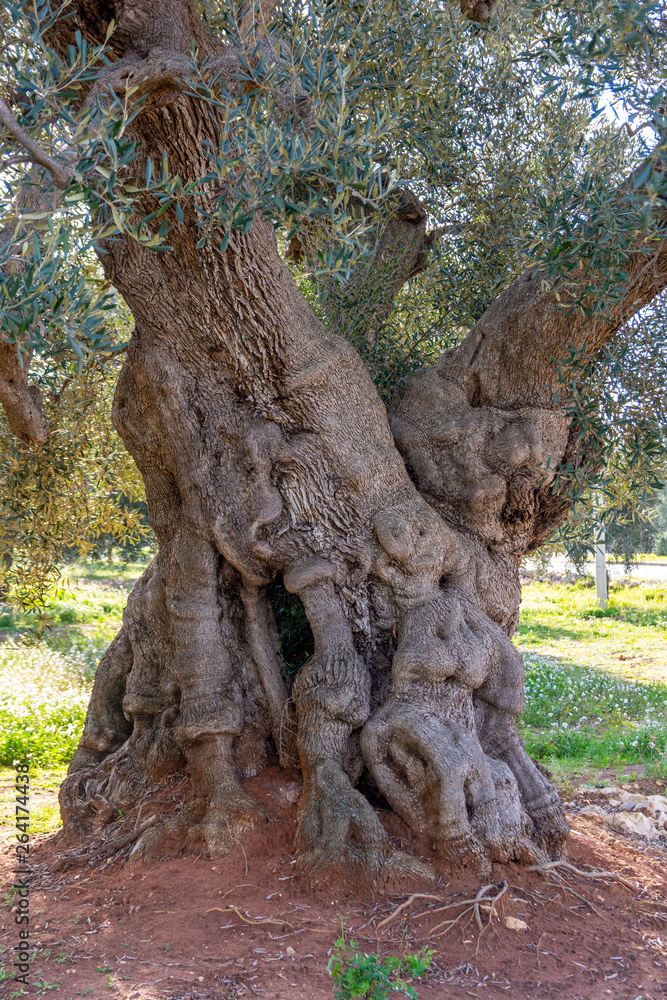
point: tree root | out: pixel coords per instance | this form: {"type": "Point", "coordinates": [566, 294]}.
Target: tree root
{"type": "Point", "coordinates": [434, 774]}
{"type": "Point", "coordinates": [111, 845]}
{"type": "Point", "coordinates": [472, 906]}
{"type": "Point", "coordinates": [550, 866]}
{"type": "Point", "coordinates": [338, 828]}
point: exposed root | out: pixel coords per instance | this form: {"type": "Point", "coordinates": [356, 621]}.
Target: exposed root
{"type": "Point", "coordinates": [549, 866]}
{"type": "Point", "coordinates": [436, 777]}
{"type": "Point", "coordinates": [338, 829]}
{"type": "Point", "coordinates": [146, 848]}
{"type": "Point", "coordinates": [472, 906]}
{"type": "Point", "coordinates": [110, 845]}
{"type": "Point", "coordinates": [225, 823]}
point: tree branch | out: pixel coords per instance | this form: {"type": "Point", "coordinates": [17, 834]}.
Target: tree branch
{"type": "Point", "coordinates": [397, 250]}
{"type": "Point", "coordinates": [21, 401]}
{"type": "Point", "coordinates": [480, 431]}
{"type": "Point", "coordinates": [503, 358]}
{"type": "Point", "coordinates": [61, 175]}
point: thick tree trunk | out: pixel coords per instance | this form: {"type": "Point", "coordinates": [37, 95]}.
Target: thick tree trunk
{"type": "Point", "coordinates": [266, 452]}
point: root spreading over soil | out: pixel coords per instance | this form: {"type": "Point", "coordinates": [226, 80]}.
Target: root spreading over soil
{"type": "Point", "coordinates": [241, 926]}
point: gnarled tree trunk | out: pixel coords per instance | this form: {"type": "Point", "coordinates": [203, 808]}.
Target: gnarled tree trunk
{"type": "Point", "coordinates": [267, 453]}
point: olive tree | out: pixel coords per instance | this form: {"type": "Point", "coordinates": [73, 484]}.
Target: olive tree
{"type": "Point", "coordinates": [378, 258]}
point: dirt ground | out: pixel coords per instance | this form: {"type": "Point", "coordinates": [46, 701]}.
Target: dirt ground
{"type": "Point", "coordinates": [187, 928]}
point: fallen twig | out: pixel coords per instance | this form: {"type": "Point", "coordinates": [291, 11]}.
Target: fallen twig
{"type": "Point", "coordinates": [258, 921]}
{"type": "Point", "coordinates": [110, 845]}
{"type": "Point", "coordinates": [248, 920]}
{"type": "Point", "coordinates": [403, 906]}
{"type": "Point", "coordinates": [583, 899]}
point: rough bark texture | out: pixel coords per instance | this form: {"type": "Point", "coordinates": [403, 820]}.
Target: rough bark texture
{"type": "Point", "coordinates": [266, 453]}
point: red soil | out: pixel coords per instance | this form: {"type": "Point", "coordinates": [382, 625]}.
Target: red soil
{"type": "Point", "coordinates": [167, 931]}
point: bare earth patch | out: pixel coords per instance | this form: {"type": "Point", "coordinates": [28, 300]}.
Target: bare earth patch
{"type": "Point", "coordinates": [191, 929]}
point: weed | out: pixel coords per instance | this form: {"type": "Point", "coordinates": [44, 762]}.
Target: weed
{"type": "Point", "coordinates": [359, 975]}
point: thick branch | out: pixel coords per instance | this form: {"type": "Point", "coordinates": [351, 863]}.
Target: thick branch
{"type": "Point", "coordinates": [21, 401]}
{"type": "Point", "coordinates": [61, 175]}
{"type": "Point", "coordinates": [480, 431]}
{"type": "Point", "coordinates": [397, 249]}
{"type": "Point", "coordinates": [506, 355]}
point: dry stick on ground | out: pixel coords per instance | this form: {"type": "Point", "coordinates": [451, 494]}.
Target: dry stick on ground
{"type": "Point", "coordinates": [110, 845]}
{"type": "Point", "coordinates": [248, 920]}
{"type": "Point", "coordinates": [549, 866]}
{"type": "Point", "coordinates": [264, 920]}
{"type": "Point", "coordinates": [563, 885]}
{"type": "Point", "coordinates": [403, 906]}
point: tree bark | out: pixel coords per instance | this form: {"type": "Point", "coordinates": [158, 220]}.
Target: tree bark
{"type": "Point", "coordinates": [266, 453]}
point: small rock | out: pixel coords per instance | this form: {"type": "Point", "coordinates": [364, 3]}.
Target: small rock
{"type": "Point", "coordinates": [635, 823]}
{"type": "Point", "coordinates": [593, 813]}
{"type": "Point", "coordinates": [658, 806]}
{"type": "Point", "coordinates": [289, 950]}
{"type": "Point", "coordinates": [514, 924]}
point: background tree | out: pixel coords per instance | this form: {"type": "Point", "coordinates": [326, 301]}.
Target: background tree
{"type": "Point", "coordinates": [186, 145]}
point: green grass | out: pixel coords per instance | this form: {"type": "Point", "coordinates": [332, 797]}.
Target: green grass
{"type": "Point", "coordinates": [44, 692]}
{"type": "Point", "coordinates": [591, 716]}
{"type": "Point", "coordinates": [639, 557]}
{"type": "Point", "coordinates": [628, 638]}
{"type": "Point", "coordinates": [596, 680]}
{"type": "Point", "coordinates": [44, 811]}
{"type": "Point", "coordinates": [72, 602]}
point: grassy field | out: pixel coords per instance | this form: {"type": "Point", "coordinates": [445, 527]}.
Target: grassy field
{"type": "Point", "coordinates": [596, 681]}
{"type": "Point", "coordinates": [628, 639]}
